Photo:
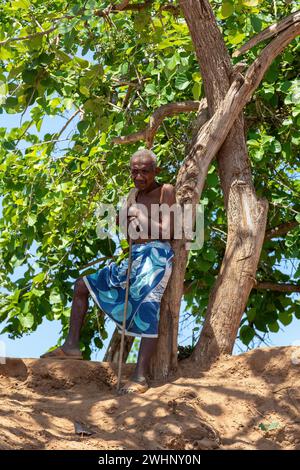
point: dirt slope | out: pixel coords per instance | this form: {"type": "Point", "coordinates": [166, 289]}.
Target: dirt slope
{"type": "Point", "coordinates": [250, 401]}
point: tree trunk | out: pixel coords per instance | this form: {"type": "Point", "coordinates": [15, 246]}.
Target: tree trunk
{"type": "Point", "coordinates": [113, 349]}
{"type": "Point", "coordinates": [165, 360]}
{"type": "Point", "coordinates": [228, 299]}
{"type": "Point", "coordinates": [246, 213]}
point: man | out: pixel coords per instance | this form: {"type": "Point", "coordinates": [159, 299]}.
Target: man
{"type": "Point", "coordinates": [152, 256]}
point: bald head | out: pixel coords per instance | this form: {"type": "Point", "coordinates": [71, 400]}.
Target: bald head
{"type": "Point", "coordinates": [146, 156]}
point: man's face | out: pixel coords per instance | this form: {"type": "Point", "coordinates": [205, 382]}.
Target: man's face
{"type": "Point", "coordinates": [143, 172]}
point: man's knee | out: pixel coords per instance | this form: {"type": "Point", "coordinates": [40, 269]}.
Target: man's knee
{"type": "Point", "coordinates": [80, 287]}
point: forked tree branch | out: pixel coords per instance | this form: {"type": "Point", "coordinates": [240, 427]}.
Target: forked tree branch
{"type": "Point", "coordinates": [167, 110]}
{"type": "Point", "coordinates": [191, 177]}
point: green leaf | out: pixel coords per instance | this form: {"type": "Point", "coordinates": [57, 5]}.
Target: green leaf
{"type": "Point", "coordinates": [181, 82]}
{"type": "Point", "coordinates": [275, 146]}
{"type": "Point", "coordinates": [98, 342]}
{"type": "Point", "coordinates": [29, 76]}
{"type": "Point", "coordinates": [196, 90]}
{"type": "Point", "coordinates": [250, 3]}
{"type": "Point", "coordinates": [27, 320]}
{"type": "Point", "coordinates": [82, 126]}
{"type": "Point", "coordinates": [256, 23]}
{"type": "Point", "coordinates": [150, 89]}
{"type": "Point", "coordinates": [84, 91]}
{"type": "Point", "coordinates": [11, 101]}
{"type": "Point", "coordinates": [251, 314]}
{"type": "Point", "coordinates": [55, 297]}
{"type": "Point", "coordinates": [274, 327]}
{"type": "Point", "coordinates": [203, 265]}
{"type": "Point", "coordinates": [20, 4]}
{"type": "Point", "coordinates": [171, 63]}
{"type": "Point", "coordinates": [5, 53]}
{"type": "Point", "coordinates": [39, 278]}
{"type": "Point", "coordinates": [246, 334]}
{"type": "Point", "coordinates": [227, 9]}
{"type": "Point", "coordinates": [285, 318]}
{"type": "Point", "coordinates": [236, 38]}
{"type": "Point", "coordinates": [210, 254]}
{"type": "Point", "coordinates": [142, 20]}
{"type": "Point", "coordinates": [31, 219]}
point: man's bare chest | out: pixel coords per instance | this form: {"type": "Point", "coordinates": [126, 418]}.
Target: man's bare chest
{"type": "Point", "coordinates": [149, 199]}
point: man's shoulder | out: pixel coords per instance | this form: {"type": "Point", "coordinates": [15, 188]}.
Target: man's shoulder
{"type": "Point", "coordinates": [131, 195]}
{"type": "Point", "coordinates": [169, 193]}
{"type": "Point", "coordinates": [169, 187]}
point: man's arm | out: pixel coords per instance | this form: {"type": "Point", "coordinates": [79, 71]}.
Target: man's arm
{"type": "Point", "coordinates": [129, 220]}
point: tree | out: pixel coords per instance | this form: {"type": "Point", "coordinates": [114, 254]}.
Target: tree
{"type": "Point", "coordinates": [115, 67]}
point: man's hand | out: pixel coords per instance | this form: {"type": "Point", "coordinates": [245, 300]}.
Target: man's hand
{"type": "Point", "coordinates": [134, 215]}
{"type": "Point", "coordinates": [133, 211]}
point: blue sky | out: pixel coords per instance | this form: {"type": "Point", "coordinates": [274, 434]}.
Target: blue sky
{"type": "Point", "coordinates": [35, 344]}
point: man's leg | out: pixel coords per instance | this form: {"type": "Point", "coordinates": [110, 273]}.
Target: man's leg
{"type": "Point", "coordinates": [146, 351]}
{"type": "Point", "coordinates": [78, 311]}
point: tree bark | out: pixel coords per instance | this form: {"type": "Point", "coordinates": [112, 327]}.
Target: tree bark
{"type": "Point", "coordinates": [113, 349]}
{"type": "Point", "coordinates": [246, 213]}
{"type": "Point", "coordinates": [164, 362]}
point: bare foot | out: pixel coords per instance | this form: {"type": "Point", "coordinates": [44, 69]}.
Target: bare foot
{"type": "Point", "coordinates": [60, 353]}
{"type": "Point", "coordinates": [133, 387]}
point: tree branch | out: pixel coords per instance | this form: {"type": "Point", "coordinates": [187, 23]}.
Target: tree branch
{"type": "Point", "coordinates": [99, 260]}
{"type": "Point", "coordinates": [280, 230]}
{"type": "Point", "coordinates": [170, 109]}
{"type": "Point", "coordinates": [277, 287]}
{"type": "Point", "coordinates": [30, 36]}
{"type": "Point", "coordinates": [137, 6]}
{"type": "Point", "coordinates": [174, 9]}
{"type": "Point", "coordinates": [68, 122]}
{"type": "Point", "coordinates": [123, 6]}
{"type": "Point", "coordinates": [258, 285]}
{"type": "Point", "coordinates": [268, 32]}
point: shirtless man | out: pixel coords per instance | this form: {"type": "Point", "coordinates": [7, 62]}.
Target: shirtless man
{"type": "Point", "coordinates": [143, 170]}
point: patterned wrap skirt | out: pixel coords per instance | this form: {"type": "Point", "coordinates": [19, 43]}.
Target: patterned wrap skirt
{"type": "Point", "coordinates": [151, 267]}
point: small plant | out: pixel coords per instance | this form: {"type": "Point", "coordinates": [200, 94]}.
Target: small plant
{"type": "Point", "coordinates": [184, 352]}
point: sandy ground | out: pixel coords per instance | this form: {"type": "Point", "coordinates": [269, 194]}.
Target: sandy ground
{"type": "Point", "coordinates": [250, 401]}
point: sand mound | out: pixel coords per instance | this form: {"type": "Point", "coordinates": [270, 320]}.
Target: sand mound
{"type": "Point", "coordinates": [250, 401]}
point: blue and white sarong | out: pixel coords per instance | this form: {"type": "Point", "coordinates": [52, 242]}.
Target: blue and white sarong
{"type": "Point", "coordinates": [151, 267]}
